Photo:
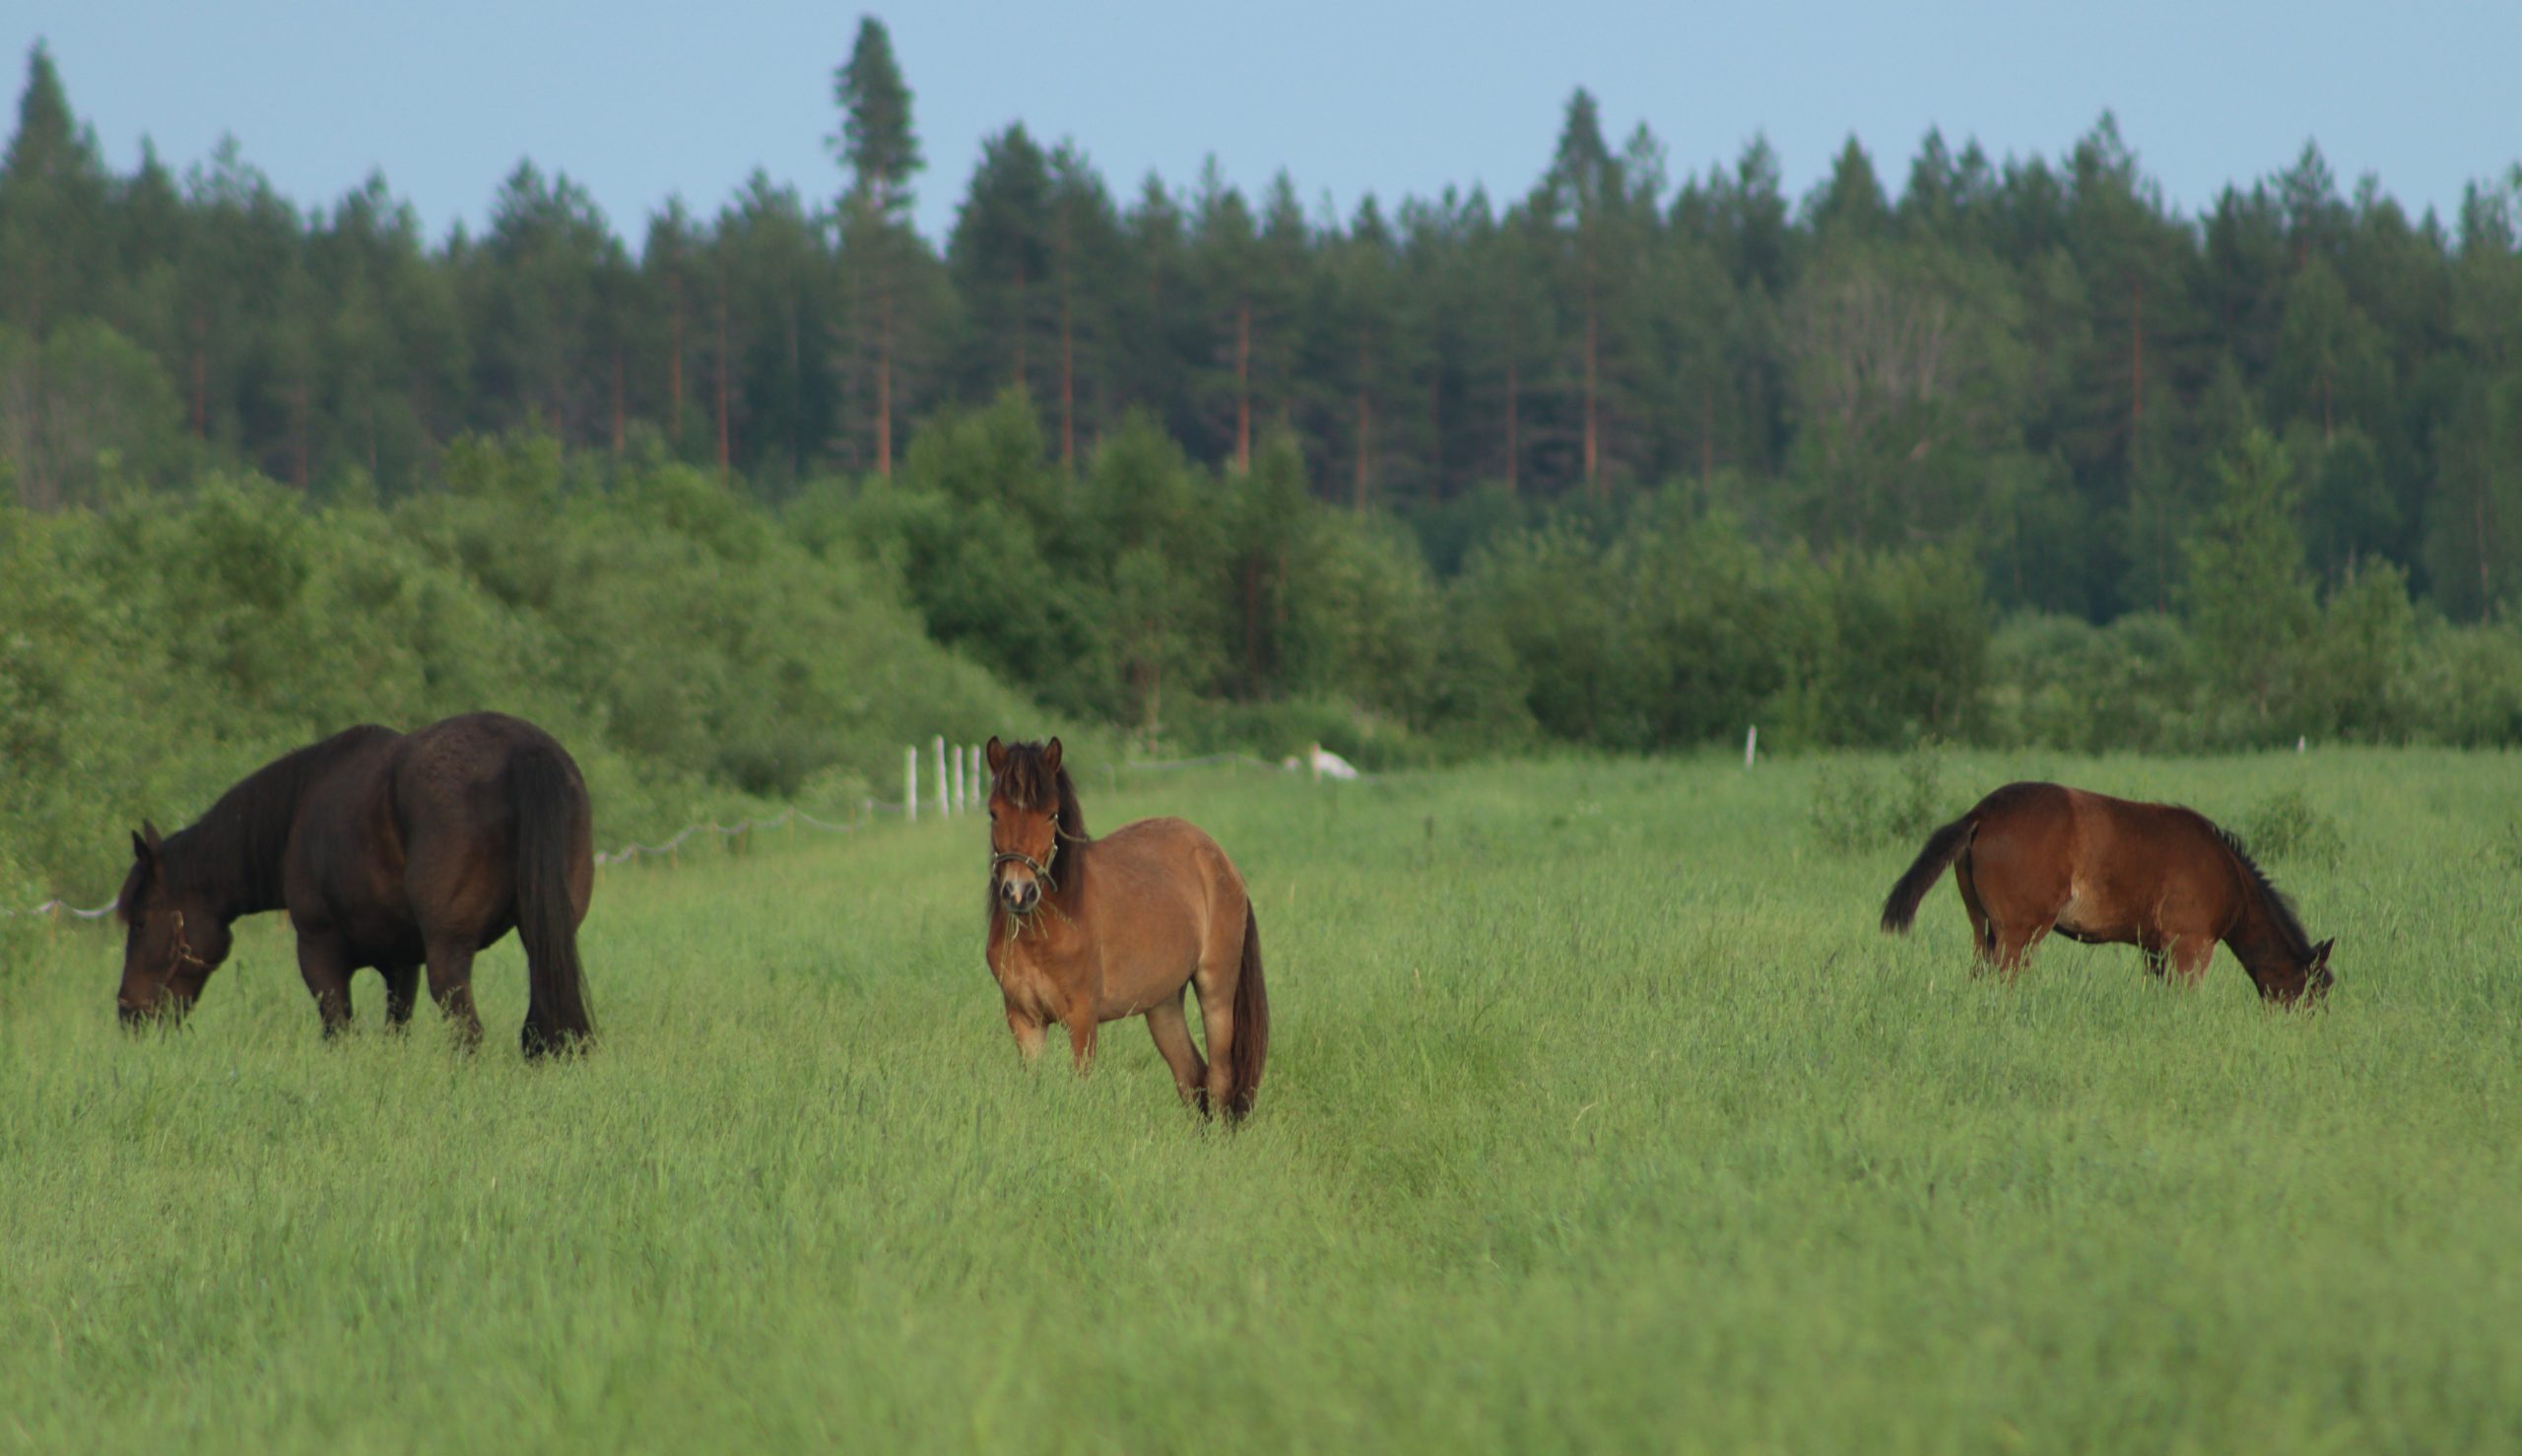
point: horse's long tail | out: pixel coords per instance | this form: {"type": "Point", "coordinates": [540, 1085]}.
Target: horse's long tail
{"type": "Point", "coordinates": [1252, 1044]}
{"type": "Point", "coordinates": [548, 805]}
{"type": "Point", "coordinates": [1943, 847]}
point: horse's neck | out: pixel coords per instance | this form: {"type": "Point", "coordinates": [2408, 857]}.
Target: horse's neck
{"type": "Point", "coordinates": [2257, 940]}
{"type": "Point", "coordinates": [233, 854]}
{"type": "Point", "coordinates": [196, 864]}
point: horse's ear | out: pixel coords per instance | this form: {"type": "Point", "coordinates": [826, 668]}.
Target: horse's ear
{"type": "Point", "coordinates": [2320, 952]}
{"type": "Point", "coordinates": [143, 843]}
{"type": "Point", "coordinates": [1051, 756]}
{"type": "Point", "coordinates": [997, 755]}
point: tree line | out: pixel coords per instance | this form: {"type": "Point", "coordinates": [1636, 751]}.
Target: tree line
{"type": "Point", "coordinates": [2034, 360]}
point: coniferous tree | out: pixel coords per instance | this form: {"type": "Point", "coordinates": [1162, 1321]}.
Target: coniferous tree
{"type": "Point", "coordinates": [877, 145]}
{"type": "Point", "coordinates": [1085, 252]}
{"type": "Point", "coordinates": [1000, 257]}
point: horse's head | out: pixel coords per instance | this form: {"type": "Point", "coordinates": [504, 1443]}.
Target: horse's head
{"type": "Point", "coordinates": [2317, 977]}
{"type": "Point", "coordinates": [1025, 829]}
{"type": "Point", "coordinates": [2302, 985]}
{"type": "Point", "coordinates": [176, 939]}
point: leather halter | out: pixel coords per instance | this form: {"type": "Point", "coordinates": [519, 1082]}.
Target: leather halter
{"type": "Point", "coordinates": [185, 955]}
{"type": "Point", "coordinates": [1041, 867]}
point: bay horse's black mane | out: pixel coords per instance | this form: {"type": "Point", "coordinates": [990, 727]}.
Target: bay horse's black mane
{"type": "Point", "coordinates": [233, 850]}
{"type": "Point", "coordinates": [1026, 786]}
{"type": "Point", "coordinates": [2279, 905]}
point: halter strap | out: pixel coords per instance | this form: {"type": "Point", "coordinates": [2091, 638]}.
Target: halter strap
{"type": "Point", "coordinates": [1041, 867]}
{"type": "Point", "coordinates": [183, 950]}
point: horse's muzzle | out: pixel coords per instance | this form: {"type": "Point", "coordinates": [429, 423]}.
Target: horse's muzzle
{"type": "Point", "coordinates": [139, 1016]}
{"type": "Point", "coordinates": [1020, 895]}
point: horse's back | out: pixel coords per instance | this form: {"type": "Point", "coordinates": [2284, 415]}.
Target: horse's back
{"type": "Point", "coordinates": [1157, 860]}
{"type": "Point", "coordinates": [2105, 868]}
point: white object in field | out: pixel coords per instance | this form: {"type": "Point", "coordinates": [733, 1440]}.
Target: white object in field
{"type": "Point", "coordinates": [2299, 743]}
{"type": "Point", "coordinates": [910, 783]}
{"type": "Point", "coordinates": [1751, 745]}
{"type": "Point", "coordinates": [944, 806]}
{"type": "Point", "coordinates": [1328, 764]}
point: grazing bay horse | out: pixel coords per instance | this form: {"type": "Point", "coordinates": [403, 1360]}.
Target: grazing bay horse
{"type": "Point", "coordinates": [2036, 857]}
{"type": "Point", "coordinates": [388, 849]}
{"type": "Point", "coordinates": [1086, 930]}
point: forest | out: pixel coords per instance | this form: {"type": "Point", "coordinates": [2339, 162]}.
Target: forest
{"type": "Point", "coordinates": [1628, 461]}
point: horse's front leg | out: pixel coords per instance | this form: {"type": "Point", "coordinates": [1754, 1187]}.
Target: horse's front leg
{"type": "Point", "coordinates": [1028, 1032]}
{"type": "Point", "coordinates": [1082, 1028]}
{"type": "Point", "coordinates": [324, 961]}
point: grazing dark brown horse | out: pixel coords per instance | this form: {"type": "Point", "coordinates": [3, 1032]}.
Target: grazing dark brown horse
{"type": "Point", "coordinates": [1087, 931]}
{"type": "Point", "coordinates": [388, 849]}
{"type": "Point", "coordinates": [2036, 857]}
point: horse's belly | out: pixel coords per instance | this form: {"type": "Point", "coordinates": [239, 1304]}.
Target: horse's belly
{"type": "Point", "coordinates": [2084, 917]}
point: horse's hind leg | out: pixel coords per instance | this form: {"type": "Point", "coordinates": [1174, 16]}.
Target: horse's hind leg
{"type": "Point", "coordinates": [323, 962]}
{"type": "Point", "coordinates": [1220, 966]}
{"type": "Point", "coordinates": [1172, 1032]}
{"type": "Point", "coordinates": [402, 987]}
{"type": "Point", "coordinates": [452, 986]}
{"type": "Point", "coordinates": [2012, 946]}
{"type": "Point", "coordinates": [1983, 935]}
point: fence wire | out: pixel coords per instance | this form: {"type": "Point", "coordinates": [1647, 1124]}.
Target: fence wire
{"type": "Point", "coordinates": [791, 815]}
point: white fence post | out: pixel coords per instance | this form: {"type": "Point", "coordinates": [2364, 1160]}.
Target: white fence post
{"type": "Point", "coordinates": [910, 783]}
{"type": "Point", "coordinates": [944, 807]}
{"type": "Point", "coordinates": [955, 768]}
{"type": "Point", "coordinates": [1751, 745]}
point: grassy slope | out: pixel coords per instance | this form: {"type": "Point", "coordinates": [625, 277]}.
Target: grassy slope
{"type": "Point", "coordinates": [1598, 1114]}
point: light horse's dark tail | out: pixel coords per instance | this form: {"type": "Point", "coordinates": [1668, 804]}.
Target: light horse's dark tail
{"type": "Point", "coordinates": [548, 803]}
{"type": "Point", "coordinates": [1943, 847]}
{"type": "Point", "coordinates": [1252, 1044]}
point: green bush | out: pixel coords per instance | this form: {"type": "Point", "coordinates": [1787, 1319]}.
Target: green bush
{"type": "Point", "coordinates": [1854, 809]}
{"type": "Point", "coordinates": [698, 658]}
{"type": "Point", "coordinates": [2289, 826]}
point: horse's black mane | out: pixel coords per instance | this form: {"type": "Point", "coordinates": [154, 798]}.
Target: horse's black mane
{"type": "Point", "coordinates": [233, 850]}
{"type": "Point", "coordinates": [2279, 905]}
{"type": "Point", "coordinates": [1028, 786]}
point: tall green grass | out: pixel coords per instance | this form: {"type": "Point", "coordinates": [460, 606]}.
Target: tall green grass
{"type": "Point", "coordinates": [1598, 1114]}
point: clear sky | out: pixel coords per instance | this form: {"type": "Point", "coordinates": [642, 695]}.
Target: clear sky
{"type": "Point", "coordinates": [638, 101]}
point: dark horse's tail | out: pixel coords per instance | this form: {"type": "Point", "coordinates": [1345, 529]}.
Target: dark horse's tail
{"type": "Point", "coordinates": [1252, 1044]}
{"type": "Point", "coordinates": [1944, 846]}
{"type": "Point", "coordinates": [548, 802]}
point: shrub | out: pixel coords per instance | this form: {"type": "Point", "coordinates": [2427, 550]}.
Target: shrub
{"type": "Point", "coordinates": [2288, 825]}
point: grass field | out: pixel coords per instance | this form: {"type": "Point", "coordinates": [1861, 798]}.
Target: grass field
{"type": "Point", "coordinates": [1599, 1115]}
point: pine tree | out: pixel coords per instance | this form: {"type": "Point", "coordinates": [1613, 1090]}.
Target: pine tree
{"type": "Point", "coordinates": [54, 190]}
{"type": "Point", "coordinates": [1000, 257]}
{"type": "Point", "coordinates": [2244, 588]}
{"type": "Point", "coordinates": [1085, 247]}
{"type": "Point", "coordinates": [878, 147]}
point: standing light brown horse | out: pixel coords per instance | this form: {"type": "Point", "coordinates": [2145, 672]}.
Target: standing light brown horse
{"type": "Point", "coordinates": [1086, 930]}
{"type": "Point", "coordinates": [2036, 857]}
{"type": "Point", "coordinates": [388, 849]}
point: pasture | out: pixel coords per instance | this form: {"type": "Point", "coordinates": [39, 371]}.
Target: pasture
{"type": "Point", "coordinates": [1598, 1114]}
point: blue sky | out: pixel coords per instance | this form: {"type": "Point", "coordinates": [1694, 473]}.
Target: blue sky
{"type": "Point", "coordinates": [638, 101]}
